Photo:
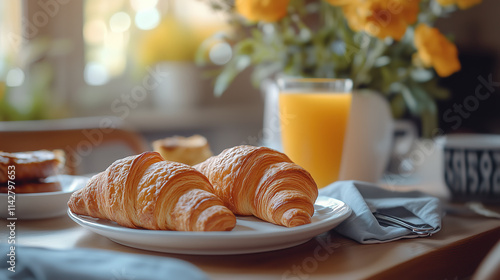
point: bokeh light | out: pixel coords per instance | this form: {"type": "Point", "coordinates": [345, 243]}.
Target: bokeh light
{"type": "Point", "coordinates": [15, 77]}
{"type": "Point", "coordinates": [138, 5]}
{"type": "Point", "coordinates": [95, 32]}
{"type": "Point", "coordinates": [220, 53]}
{"type": "Point", "coordinates": [147, 19]}
{"type": "Point", "coordinates": [119, 22]}
{"type": "Point", "coordinates": [95, 74]}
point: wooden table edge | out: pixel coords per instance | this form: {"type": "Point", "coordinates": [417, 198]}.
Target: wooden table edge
{"type": "Point", "coordinates": [466, 255]}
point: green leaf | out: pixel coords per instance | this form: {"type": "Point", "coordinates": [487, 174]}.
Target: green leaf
{"type": "Point", "coordinates": [262, 72]}
{"type": "Point", "coordinates": [429, 121]}
{"type": "Point", "coordinates": [421, 75]}
{"type": "Point", "coordinates": [435, 90]}
{"type": "Point", "coordinates": [256, 34]}
{"type": "Point", "coordinates": [411, 102]}
{"type": "Point", "coordinates": [200, 57]}
{"type": "Point", "coordinates": [246, 47]}
{"type": "Point", "coordinates": [223, 80]}
{"type": "Point", "coordinates": [398, 106]}
{"type": "Point", "coordinates": [234, 67]}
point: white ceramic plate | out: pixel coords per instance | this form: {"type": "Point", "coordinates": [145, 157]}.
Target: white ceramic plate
{"type": "Point", "coordinates": [44, 205]}
{"type": "Point", "coordinates": [250, 235]}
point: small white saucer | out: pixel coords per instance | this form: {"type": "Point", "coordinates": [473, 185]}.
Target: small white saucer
{"type": "Point", "coordinates": [42, 205]}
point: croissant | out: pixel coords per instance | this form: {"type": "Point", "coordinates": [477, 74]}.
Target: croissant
{"type": "Point", "coordinates": [262, 182]}
{"type": "Point", "coordinates": [144, 191]}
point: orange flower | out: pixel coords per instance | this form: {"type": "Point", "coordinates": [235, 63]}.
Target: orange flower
{"type": "Point", "coordinates": [462, 4]}
{"type": "Point", "coordinates": [262, 10]}
{"type": "Point", "coordinates": [435, 50]}
{"type": "Point", "coordinates": [380, 18]}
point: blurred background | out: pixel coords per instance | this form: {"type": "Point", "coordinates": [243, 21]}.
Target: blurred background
{"type": "Point", "coordinates": [476, 34]}
{"type": "Point", "coordinates": [134, 60]}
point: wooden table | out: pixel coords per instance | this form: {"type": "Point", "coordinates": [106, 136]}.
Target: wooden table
{"type": "Point", "coordinates": [453, 253]}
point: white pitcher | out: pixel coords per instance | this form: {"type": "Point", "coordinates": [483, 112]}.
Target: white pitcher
{"type": "Point", "coordinates": [368, 142]}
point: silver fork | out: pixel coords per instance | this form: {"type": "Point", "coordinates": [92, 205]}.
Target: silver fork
{"type": "Point", "coordinates": [389, 220]}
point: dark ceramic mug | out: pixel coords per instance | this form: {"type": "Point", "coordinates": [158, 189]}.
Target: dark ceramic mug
{"type": "Point", "coordinates": [472, 166]}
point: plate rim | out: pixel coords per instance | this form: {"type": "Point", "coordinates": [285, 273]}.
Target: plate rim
{"type": "Point", "coordinates": [56, 203]}
{"type": "Point", "coordinates": [67, 191]}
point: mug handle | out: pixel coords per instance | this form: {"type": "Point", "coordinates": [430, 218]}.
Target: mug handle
{"type": "Point", "coordinates": [405, 136]}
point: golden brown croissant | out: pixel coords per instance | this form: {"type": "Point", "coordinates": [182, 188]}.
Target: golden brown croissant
{"type": "Point", "coordinates": [262, 182]}
{"type": "Point", "coordinates": [144, 191]}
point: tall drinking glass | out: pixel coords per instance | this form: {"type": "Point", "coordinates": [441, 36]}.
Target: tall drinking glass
{"type": "Point", "coordinates": [314, 115]}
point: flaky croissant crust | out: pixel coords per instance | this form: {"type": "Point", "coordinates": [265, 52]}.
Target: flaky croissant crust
{"type": "Point", "coordinates": [262, 182]}
{"type": "Point", "coordinates": [145, 191]}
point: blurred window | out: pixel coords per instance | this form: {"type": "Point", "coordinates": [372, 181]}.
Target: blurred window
{"type": "Point", "coordinates": [144, 31]}
{"type": "Point", "coordinates": [10, 42]}
{"type": "Point", "coordinates": [90, 52]}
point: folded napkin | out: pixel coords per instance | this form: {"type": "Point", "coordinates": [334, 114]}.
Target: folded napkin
{"type": "Point", "coordinates": [373, 209]}
{"type": "Point", "coordinates": [83, 264]}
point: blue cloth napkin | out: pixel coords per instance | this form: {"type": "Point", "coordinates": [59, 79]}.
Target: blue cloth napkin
{"type": "Point", "coordinates": [85, 264]}
{"type": "Point", "coordinates": [366, 198]}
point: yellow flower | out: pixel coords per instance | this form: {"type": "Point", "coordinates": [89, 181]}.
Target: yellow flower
{"type": "Point", "coordinates": [462, 4]}
{"type": "Point", "coordinates": [381, 18]}
{"type": "Point", "coordinates": [262, 10]}
{"type": "Point", "coordinates": [434, 49]}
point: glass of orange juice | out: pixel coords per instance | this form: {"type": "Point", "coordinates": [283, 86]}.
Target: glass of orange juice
{"type": "Point", "coordinates": [314, 115]}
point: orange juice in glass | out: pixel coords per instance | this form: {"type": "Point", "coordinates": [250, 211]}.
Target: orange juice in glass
{"type": "Point", "coordinates": [314, 115]}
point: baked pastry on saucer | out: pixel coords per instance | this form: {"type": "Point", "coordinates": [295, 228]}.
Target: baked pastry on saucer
{"type": "Point", "coordinates": [188, 150]}
{"type": "Point", "coordinates": [31, 166]}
